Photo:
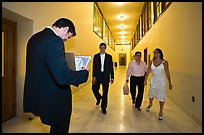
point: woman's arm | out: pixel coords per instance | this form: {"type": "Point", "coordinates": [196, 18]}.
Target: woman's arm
{"type": "Point", "coordinates": [166, 68]}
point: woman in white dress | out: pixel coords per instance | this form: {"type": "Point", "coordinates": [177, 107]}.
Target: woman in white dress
{"type": "Point", "coordinates": [157, 66]}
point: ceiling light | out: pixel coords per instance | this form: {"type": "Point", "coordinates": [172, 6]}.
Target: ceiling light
{"type": "Point", "coordinates": [122, 32]}
{"type": "Point", "coordinates": [119, 3]}
{"type": "Point", "coordinates": [121, 17]}
{"type": "Point", "coordinates": [122, 26]}
{"type": "Point", "coordinates": [122, 37]}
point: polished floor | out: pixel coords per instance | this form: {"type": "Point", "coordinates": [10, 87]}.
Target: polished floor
{"type": "Point", "coordinates": [121, 117]}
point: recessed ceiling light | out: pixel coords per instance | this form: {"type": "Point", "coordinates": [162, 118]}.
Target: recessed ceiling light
{"type": "Point", "coordinates": [122, 26]}
{"type": "Point", "coordinates": [122, 32]}
{"type": "Point", "coordinates": [119, 3]}
{"type": "Point", "coordinates": [121, 17]}
{"type": "Point", "coordinates": [122, 37]}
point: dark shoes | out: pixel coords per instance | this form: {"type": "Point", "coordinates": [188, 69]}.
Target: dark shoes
{"type": "Point", "coordinates": [139, 109]}
{"type": "Point", "coordinates": [98, 101]}
{"type": "Point", "coordinates": [133, 101]}
{"type": "Point", "coordinates": [104, 111]}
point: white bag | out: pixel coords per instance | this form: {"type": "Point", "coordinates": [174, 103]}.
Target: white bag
{"type": "Point", "coordinates": [125, 89]}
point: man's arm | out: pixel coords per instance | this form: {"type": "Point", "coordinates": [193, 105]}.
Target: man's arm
{"type": "Point", "coordinates": [112, 71]}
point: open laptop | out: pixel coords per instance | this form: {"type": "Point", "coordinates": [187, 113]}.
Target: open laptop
{"type": "Point", "coordinates": [76, 62]}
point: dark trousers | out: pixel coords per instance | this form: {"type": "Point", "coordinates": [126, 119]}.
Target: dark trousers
{"type": "Point", "coordinates": [60, 127]}
{"type": "Point", "coordinates": [137, 81]}
{"type": "Point", "coordinates": [104, 80]}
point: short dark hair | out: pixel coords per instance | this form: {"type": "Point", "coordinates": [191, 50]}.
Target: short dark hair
{"type": "Point", "coordinates": [102, 44]}
{"type": "Point", "coordinates": [64, 22]}
{"type": "Point", "coordinates": [138, 53]}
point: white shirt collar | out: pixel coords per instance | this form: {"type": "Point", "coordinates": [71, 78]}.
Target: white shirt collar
{"type": "Point", "coordinates": [52, 30]}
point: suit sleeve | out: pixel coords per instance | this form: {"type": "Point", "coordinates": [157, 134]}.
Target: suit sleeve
{"type": "Point", "coordinates": [56, 63]}
{"type": "Point", "coordinates": [111, 67]}
{"type": "Point", "coordinates": [94, 66]}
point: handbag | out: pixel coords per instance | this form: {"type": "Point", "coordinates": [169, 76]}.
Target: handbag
{"type": "Point", "coordinates": [125, 89]}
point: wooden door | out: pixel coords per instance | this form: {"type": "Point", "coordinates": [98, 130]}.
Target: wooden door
{"type": "Point", "coordinates": [122, 59]}
{"type": "Point", "coordinates": [145, 55]}
{"type": "Point", "coordinates": [8, 69]}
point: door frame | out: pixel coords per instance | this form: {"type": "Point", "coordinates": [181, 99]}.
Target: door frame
{"type": "Point", "coordinates": [10, 49]}
{"type": "Point", "coordinates": [120, 54]}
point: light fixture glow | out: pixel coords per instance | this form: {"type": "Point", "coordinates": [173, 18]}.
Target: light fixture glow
{"type": "Point", "coordinates": [121, 17]}
{"type": "Point", "coordinates": [119, 3]}
{"type": "Point", "coordinates": [122, 32]}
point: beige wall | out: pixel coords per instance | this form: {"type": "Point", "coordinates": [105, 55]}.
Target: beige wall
{"type": "Point", "coordinates": [178, 33]}
{"type": "Point", "coordinates": [32, 17]}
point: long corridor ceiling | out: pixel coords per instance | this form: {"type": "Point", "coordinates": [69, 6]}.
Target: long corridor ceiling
{"type": "Point", "coordinates": [122, 28]}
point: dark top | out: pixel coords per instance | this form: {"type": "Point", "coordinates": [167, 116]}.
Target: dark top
{"type": "Point", "coordinates": [47, 91]}
{"type": "Point", "coordinates": [108, 66]}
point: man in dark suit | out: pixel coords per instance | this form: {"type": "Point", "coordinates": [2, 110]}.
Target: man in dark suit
{"type": "Point", "coordinates": [102, 74]}
{"type": "Point", "coordinates": [47, 91]}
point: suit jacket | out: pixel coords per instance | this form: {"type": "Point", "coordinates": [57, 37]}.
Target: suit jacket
{"type": "Point", "coordinates": [108, 66]}
{"type": "Point", "coordinates": [47, 91]}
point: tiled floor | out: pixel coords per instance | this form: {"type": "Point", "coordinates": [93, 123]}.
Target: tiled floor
{"type": "Point", "coordinates": [121, 115]}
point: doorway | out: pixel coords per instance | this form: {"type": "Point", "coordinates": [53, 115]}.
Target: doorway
{"type": "Point", "coordinates": [9, 34]}
{"type": "Point", "coordinates": [122, 59]}
{"type": "Point", "coordinates": [145, 55]}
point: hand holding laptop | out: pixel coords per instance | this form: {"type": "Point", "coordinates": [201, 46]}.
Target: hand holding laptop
{"type": "Point", "coordinates": [86, 68]}
{"type": "Point", "coordinates": [77, 63]}
{"type": "Point", "coordinates": [82, 62]}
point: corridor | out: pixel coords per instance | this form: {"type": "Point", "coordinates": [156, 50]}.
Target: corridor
{"type": "Point", "coordinates": [121, 117]}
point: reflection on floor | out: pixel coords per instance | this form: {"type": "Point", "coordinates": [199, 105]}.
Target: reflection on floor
{"type": "Point", "coordinates": [121, 117]}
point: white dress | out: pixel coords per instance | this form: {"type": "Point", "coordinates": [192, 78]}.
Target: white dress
{"type": "Point", "coordinates": [157, 83]}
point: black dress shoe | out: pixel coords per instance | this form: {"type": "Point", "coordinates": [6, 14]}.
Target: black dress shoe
{"type": "Point", "coordinates": [104, 111]}
{"type": "Point", "coordinates": [98, 101]}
